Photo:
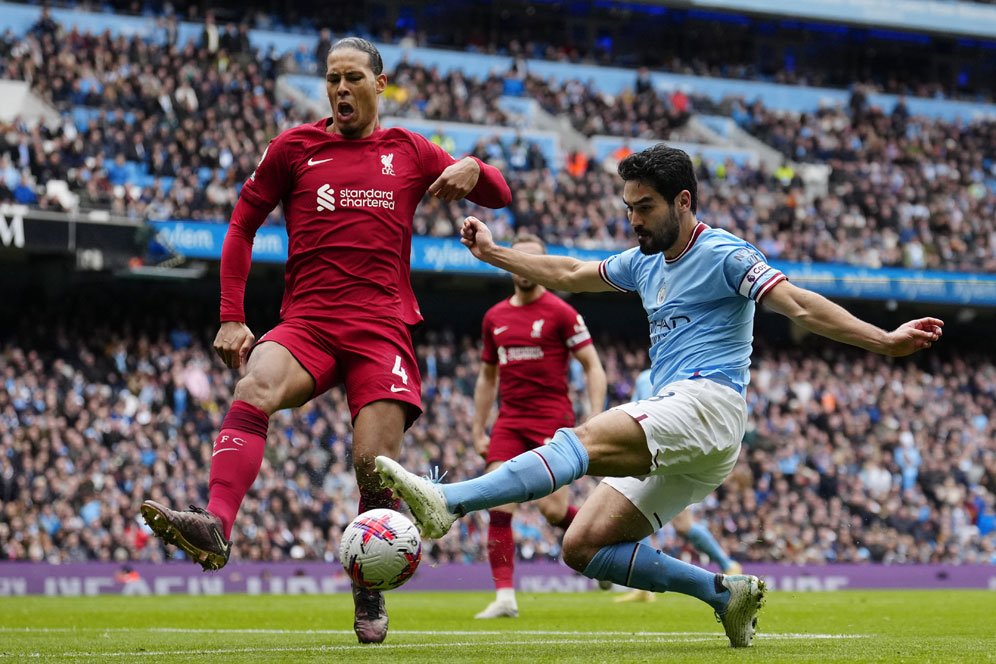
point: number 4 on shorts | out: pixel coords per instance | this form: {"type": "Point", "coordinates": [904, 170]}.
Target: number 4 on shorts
{"type": "Point", "coordinates": [399, 370]}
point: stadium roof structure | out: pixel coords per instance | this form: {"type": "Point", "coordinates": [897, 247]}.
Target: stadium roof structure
{"type": "Point", "coordinates": [968, 19]}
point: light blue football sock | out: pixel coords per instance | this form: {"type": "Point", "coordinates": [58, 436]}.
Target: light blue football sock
{"type": "Point", "coordinates": [637, 565]}
{"type": "Point", "coordinates": [530, 475]}
{"type": "Point", "coordinates": [703, 541]}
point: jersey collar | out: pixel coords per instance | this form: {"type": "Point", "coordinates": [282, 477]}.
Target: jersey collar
{"type": "Point", "coordinates": [696, 232]}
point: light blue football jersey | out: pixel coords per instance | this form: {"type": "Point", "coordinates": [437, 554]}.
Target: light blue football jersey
{"type": "Point", "coordinates": [700, 305]}
{"type": "Point", "coordinates": [644, 387]}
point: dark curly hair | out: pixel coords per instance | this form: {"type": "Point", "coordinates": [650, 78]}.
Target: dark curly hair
{"type": "Point", "coordinates": [360, 44]}
{"type": "Point", "coordinates": [667, 170]}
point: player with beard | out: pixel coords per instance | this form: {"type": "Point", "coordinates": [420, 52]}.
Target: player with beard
{"type": "Point", "coordinates": [349, 190]}
{"type": "Point", "coordinates": [699, 286]}
{"type": "Point", "coordinates": [528, 340]}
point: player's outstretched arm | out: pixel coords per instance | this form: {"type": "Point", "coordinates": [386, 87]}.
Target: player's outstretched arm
{"type": "Point", "coordinates": [821, 316]}
{"type": "Point", "coordinates": [557, 272]}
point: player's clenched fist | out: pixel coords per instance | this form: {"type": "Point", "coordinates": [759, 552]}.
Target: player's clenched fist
{"type": "Point", "coordinates": [457, 180]}
{"type": "Point", "coordinates": [233, 343]}
{"type": "Point", "coordinates": [476, 236]}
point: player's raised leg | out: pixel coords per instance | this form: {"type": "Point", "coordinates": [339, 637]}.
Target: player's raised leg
{"type": "Point", "coordinates": [274, 380]}
{"type": "Point", "coordinates": [378, 430]}
{"type": "Point", "coordinates": [609, 444]}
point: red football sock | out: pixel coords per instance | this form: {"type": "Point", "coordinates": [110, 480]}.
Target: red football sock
{"type": "Point", "coordinates": [568, 518]}
{"type": "Point", "coordinates": [238, 454]}
{"type": "Point", "coordinates": [371, 500]}
{"type": "Point", "coordinates": [501, 549]}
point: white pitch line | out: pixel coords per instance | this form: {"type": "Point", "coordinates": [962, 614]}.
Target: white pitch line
{"type": "Point", "coordinates": [343, 632]}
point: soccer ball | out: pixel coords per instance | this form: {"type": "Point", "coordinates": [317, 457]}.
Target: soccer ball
{"type": "Point", "coordinates": [380, 549]}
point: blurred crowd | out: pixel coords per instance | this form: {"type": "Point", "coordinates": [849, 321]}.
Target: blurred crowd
{"type": "Point", "coordinates": [672, 39]}
{"type": "Point", "coordinates": [848, 457]}
{"type": "Point", "coordinates": [905, 190]}
{"type": "Point", "coordinates": [172, 131]}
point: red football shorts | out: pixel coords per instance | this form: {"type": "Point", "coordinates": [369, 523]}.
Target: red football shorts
{"type": "Point", "coordinates": [373, 359]}
{"type": "Point", "coordinates": [512, 437]}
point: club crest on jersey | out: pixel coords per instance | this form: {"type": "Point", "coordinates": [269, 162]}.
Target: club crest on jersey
{"type": "Point", "coordinates": [661, 295]}
{"type": "Point", "coordinates": [387, 161]}
{"type": "Point", "coordinates": [326, 198]}
{"type": "Point", "coordinates": [537, 328]}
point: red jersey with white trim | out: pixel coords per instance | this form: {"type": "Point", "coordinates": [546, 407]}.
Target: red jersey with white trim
{"type": "Point", "coordinates": [349, 205]}
{"type": "Point", "coordinates": [531, 344]}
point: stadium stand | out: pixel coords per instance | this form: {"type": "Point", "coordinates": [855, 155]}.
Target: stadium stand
{"type": "Point", "coordinates": [851, 458]}
{"type": "Point", "coordinates": [129, 145]}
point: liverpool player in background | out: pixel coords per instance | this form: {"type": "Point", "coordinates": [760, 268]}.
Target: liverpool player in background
{"type": "Point", "coordinates": [527, 342]}
{"type": "Point", "coordinates": [349, 189]}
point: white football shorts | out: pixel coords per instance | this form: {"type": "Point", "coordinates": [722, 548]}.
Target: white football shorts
{"type": "Point", "coordinates": [694, 429]}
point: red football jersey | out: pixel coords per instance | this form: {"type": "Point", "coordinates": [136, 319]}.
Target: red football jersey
{"type": "Point", "coordinates": [531, 344]}
{"type": "Point", "coordinates": [349, 204]}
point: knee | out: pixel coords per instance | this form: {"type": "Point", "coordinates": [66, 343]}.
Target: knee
{"type": "Point", "coordinates": [583, 432]}
{"type": "Point", "coordinates": [578, 549]}
{"type": "Point", "coordinates": [254, 390]}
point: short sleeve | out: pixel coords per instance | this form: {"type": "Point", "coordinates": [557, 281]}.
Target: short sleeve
{"type": "Point", "coordinates": [489, 352]}
{"type": "Point", "coordinates": [576, 334]}
{"type": "Point", "coordinates": [748, 273]}
{"type": "Point", "coordinates": [617, 271]}
{"type": "Point", "coordinates": [267, 184]}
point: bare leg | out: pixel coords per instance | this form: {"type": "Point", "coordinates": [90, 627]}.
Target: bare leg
{"type": "Point", "coordinates": [378, 430]}
{"type": "Point", "coordinates": [555, 506]}
{"type": "Point", "coordinates": [607, 517]}
{"type": "Point", "coordinates": [274, 380]}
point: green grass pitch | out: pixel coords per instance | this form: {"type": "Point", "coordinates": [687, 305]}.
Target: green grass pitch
{"type": "Point", "coordinates": [878, 626]}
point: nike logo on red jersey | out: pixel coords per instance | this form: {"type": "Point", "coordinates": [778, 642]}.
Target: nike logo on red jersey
{"type": "Point", "coordinates": [499, 330]}
{"type": "Point", "coordinates": [314, 162]}
{"type": "Point", "coordinates": [395, 388]}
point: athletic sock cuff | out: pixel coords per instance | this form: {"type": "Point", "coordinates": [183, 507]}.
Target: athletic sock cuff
{"type": "Point", "coordinates": [245, 417]}
{"type": "Point", "coordinates": [577, 448]}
